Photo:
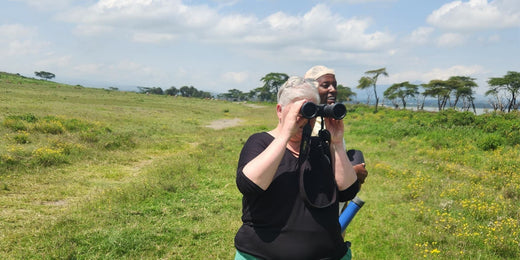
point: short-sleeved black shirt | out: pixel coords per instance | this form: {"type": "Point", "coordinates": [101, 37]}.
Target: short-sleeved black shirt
{"type": "Point", "coordinates": [277, 222]}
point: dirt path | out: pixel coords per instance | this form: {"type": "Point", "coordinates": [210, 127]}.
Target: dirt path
{"type": "Point", "coordinates": [225, 123]}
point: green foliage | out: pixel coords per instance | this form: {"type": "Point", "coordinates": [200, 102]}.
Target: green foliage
{"type": "Point", "coordinates": [131, 177]}
{"type": "Point", "coordinates": [344, 93]}
{"type": "Point", "coordinates": [21, 137]}
{"type": "Point", "coordinates": [451, 118]}
{"type": "Point", "coordinates": [507, 87]}
{"type": "Point", "coordinates": [44, 74]}
{"type": "Point", "coordinates": [47, 156]}
{"type": "Point", "coordinates": [79, 134]}
{"type": "Point", "coordinates": [272, 82]}
{"type": "Point", "coordinates": [490, 142]}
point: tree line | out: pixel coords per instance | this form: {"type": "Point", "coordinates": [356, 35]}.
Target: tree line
{"type": "Point", "coordinates": [185, 91]}
{"type": "Point", "coordinates": [267, 92]}
{"type": "Point", "coordinates": [456, 92]}
{"type": "Point", "coordinates": [44, 75]}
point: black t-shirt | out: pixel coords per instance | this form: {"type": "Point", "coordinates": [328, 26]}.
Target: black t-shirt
{"type": "Point", "coordinates": [277, 222]}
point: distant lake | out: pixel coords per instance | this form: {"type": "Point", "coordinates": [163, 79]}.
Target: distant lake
{"type": "Point", "coordinates": [479, 111]}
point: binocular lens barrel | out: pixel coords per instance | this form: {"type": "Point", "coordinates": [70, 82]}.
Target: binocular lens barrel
{"type": "Point", "coordinates": [336, 111]}
{"type": "Point", "coordinates": [310, 110]}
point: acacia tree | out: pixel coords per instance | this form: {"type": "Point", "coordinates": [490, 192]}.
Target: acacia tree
{"type": "Point", "coordinates": [186, 91]}
{"type": "Point", "coordinates": [510, 84]}
{"type": "Point", "coordinates": [364, 83]}
{"type": "Point", "coordinates": [152, 90]}
{"type": "Point", "coordinates": [235, 94]}
{"type": "Point", "coordinates": [420, 98]}
{"type": "Point", "coordinates": [462, 88]}
{"type": "Point", "coordinates": [272, 82]}
{"type": "Point", "coordinates": [344, 93]}
{"type": "Point", "coordinates": [262, 94]}
{"type": "Point", "coordinates": [172, 91]}
{"type": "Point", "coordinates": [44, 75]}
{"type": "Point", "coordinates": [401, 91]}
{"type": "Point", "coordinates": [438, 89]}
{"type": "Point", "coordinates": [371, 81]}
{"type": "Point", "coordinates": [497, 101]}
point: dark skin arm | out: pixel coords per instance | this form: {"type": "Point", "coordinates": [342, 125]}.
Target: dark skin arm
{"type": "Point", "coordinates": [361, 172]}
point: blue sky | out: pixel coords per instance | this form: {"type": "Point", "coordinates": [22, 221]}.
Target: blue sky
{"type": "Point", "coordinates": [218, 45]}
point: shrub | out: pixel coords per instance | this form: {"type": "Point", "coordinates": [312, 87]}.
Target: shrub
{"type": "Point", "coordinates": [21, 137]}
{"type": "Point", "coordinates": [15, 124]}
{"type": "Point", "coordinates": [68, 148]}
{"type": "Point", "coordinates": [76, 125]}
{"type": "Point", "coordinates": [451, 118]}
{"type": "Point", "coordinates": [47, 156]}
{"type": "Point", "coordinates": [512, 134]}
{"type": "Point", "coordinates": [7, 159]}
{"type": "Point", "coordinates": [403, 129]}
{"type": "Point", "coordinates": [440, 139]}
{"type": "Point", "coordinates": [14, 155]}
{"type": "Point", "coordinates": [115, 141]}
{"type": "Point", "coordinates": [30, 118]}
{"type": "Point", "coordinates": [463, 118]}
{"type": "Point", "coordinates": [49, 125]}
{"type": "Point", "coordinates": [490, 142]}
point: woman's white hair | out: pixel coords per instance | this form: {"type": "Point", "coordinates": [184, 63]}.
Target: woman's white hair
{"type": "Point", "coordinates": [297, 88]}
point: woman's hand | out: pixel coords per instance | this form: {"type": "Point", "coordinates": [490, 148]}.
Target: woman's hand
{"type": "Point", "coordinates": [290, 119]}
{"type": "Point", "coordinates": [261, 169]}
{"type": "Point", "coordinates": [336, 129]}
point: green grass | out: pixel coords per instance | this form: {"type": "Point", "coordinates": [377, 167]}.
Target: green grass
{"type": "Point", "coordinates": [96, 174]}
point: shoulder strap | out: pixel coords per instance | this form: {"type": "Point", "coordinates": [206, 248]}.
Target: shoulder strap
{"type": "Point", "coordinates": [304, 165]}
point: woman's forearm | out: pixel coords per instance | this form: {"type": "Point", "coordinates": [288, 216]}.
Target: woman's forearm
{"type": "Point", "coordinates": [261, 169]}
{"type": "Point", "coordinates": [343, 170]}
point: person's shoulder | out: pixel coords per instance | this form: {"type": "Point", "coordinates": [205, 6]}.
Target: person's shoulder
{"type": "Point", "coordinates": [260, 138]}
{"type": "Point", "coordinates": [263, 136]}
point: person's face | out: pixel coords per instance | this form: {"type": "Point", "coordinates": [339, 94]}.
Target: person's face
{"type": "Point", "coordinates": [297, 137]}
{"type": "Point", "coordinates": [312, 121]}
{"type": "Point", "coordinates": [327, 88]}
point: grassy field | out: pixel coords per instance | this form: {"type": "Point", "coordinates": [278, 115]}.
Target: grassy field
{"type": "Point", "coordinates": [95, 174]}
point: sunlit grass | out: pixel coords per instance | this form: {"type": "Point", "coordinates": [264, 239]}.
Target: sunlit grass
{"type": "Point", "coordinates": [96, 174]}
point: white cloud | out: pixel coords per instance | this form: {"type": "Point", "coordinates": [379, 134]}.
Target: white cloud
{"type": "Point", "coordinates": [46, 4]}
{"type": "Point", "coordinates": [153, 37]}
{"type": "Point", "coordinates": [157, 21]}
{"type": "Point", "coordinates": [234, 25]}
{"type": "Point", "coordinates": [92, 29]}
{"type": "Point", "coordinates": [122, 72]}
{"type": "Point", "coordinates": [87, 69]}
{"type": "Point", "coordinates": [490, 39]}
{"type": "Point", "coordinates": [451, 40]}
{"type": "Point", "coordinates": [435, 73]}
{"type": "Point", "coordinates": [61, 61]}
{"type": "Point", "coordinates": [361, 1]}
{"type": "Point", "coordinates": [420, 35]}
{"type": "Point", "coordinates": [282, 21]}
{"type": "Point", "coordinates": [476, 15]}
{"type": "Point", "coordinates": [13, 31]}
{"type": "Point", "coordinates": [236, 77]}
{"type": "Point", "coordinates": [19, 40]}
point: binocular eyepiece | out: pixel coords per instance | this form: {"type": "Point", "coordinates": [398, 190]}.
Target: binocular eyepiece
{"type": "Point", "coordinates": [310, 110]}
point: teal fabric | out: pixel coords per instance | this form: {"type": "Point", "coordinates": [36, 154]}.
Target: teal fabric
{"type": "Point", "coordinates": [347, 256]}
{"type": "Point", "coordinates": [243, 256]}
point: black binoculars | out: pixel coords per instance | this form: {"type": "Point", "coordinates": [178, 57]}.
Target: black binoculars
{"type": "Point", "coordinates": [310, 110]}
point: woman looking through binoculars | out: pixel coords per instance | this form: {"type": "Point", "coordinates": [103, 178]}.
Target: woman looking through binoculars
{"type": "Point", "coordinates": [284, 215]}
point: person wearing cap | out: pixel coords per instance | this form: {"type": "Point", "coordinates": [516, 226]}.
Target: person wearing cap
{"type": "Point", "coordinates": [290, 195]}
{"type": "Point", "coordinates": [327, 89]}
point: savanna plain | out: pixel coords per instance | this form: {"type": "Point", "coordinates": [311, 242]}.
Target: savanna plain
{"type": "Point", "coordinates": [101, 174]}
